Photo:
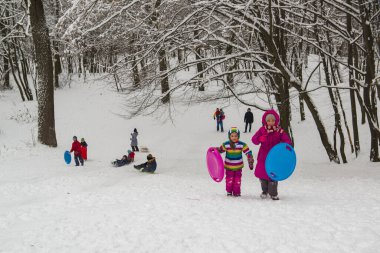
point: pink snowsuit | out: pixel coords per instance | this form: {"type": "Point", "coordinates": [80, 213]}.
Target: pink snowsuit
{"type": "Point", "coordinates": [233, 181]}
{"type": "Point", "coordinates": [273, 138]}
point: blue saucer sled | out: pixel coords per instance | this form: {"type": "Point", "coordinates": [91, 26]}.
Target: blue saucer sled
{"type": "Point", "coordinates": [67, 157]}
{"type": "Point", "coordinates": [281, 162]}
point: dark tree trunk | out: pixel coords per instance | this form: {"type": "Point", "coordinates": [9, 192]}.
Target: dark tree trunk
{"type": "Point", "coordinates": [57, 59]}
{"type": "Point", "coordinates": [70, 64]}
{"type": "Point", "coordinates": [4, 32]}
{"type": "Point", "coordinates": [369, 88]}
{"type": "Point", "coordinates": [57, 64]}
{"type": "Point", "coordinates": [282, 99]}
{"type": "Point", "coordinates": [135, 70]}
{"type": "Point", "coordinates": [80, 67]}
{"type": "Point", "coordinates": [40, 34]}
{"type": "Point", "coordinates": [163, 64]}
{"type": "Point", "coordinates": [21, 90]}
{"type": "Point", "coordinates": [180, 56]}
{"type": "Point", "coordinates": [231, 64]}
{"type": "Point", "coordinates": [298, 63]}
{"type": "Point", "coordinates": [22, 69]}
{"type": "Point", "coordinates": [350, 60]}
{"type": "Point", "coordinates": [164, 79]}
{"type": "Point", "coordinates": [6, 83]}
{"type": "Point", "coordinates": [198, 56]}
{"type": "Point", "coordinates": [297, 85]}
{"type": "Point", "coordinates": [338, 125]}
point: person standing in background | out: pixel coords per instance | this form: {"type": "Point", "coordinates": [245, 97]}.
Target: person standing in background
{"type": "Point", "coordinates": [248, 119]}
{"type": "Point", "coordinates": [134, 140]}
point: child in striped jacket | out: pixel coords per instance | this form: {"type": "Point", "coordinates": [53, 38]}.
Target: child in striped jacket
{"type": "Point", "coordinates": [233, 162]}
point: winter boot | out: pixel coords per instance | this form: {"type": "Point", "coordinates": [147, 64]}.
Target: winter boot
{"type": "Point", "coordinates": [275, 198]}
{"type": "Point", "coordinates": [263, 195]}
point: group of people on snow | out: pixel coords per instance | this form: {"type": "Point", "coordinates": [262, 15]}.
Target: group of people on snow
{"type": "Point", "coordinates": [80, 151]}
{"type": "Point", "coordinates": [219, 116]}
{"type": "Point", "coordinates": [80, 154]}
{"type": "Point", "coordinates": [268, 135]}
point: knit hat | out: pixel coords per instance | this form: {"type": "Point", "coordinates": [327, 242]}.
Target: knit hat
{"type": "Point", "coordinates": [129, 151]}
{"type": "Point", "coordinates": [149, 157]}
{"type": "Point", "coordinates": [233, 130]}
{"type": "Point", "coordinates": [270, 116]}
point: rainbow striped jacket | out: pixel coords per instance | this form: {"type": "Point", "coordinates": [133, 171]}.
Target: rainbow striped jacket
{"type": "Point", "coordinates": [234, 157]}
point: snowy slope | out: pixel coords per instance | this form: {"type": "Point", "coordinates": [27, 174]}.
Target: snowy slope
{"type": "Point", "coordinates": [47, 206]}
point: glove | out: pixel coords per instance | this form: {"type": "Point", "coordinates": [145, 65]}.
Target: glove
{"type": "Point", "coordinates": [250, 162]}
{"type": "Point", "coordinates": [263, 138]}
{"type": "Point", "coordinates": [219, 150]}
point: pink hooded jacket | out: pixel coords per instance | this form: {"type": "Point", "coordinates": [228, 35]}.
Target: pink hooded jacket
{"type": "Point", "coordinates": [273, 138]}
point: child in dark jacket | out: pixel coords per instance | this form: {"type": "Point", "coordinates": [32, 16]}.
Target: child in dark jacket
{"type": "Point", "coordinates": [76, 148]}
{"type": "Point", "coordinates": [149, 166]}
{"type": "Point", "coordinates": [125, 159]}
{"type": "Point", "coordinates": [268, 136]}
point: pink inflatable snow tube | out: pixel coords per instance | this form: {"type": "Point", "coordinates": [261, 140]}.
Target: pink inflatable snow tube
{"type": "Point", "coordinates": [215, 164]}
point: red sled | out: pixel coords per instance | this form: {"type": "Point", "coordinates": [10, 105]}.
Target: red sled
{"type": "Point", "coordinates": [84, 152]}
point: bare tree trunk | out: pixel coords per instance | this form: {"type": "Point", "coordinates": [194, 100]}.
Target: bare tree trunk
{"type": "Point", "coordinates": [231, 64]}
{"type": "Point", "coordinates": [279, 38]}
{"type": "Point", "coordinates": [57, 64]}
{"type": "Point", "coordinates": [57, 59]}
{"type": "Point", "coordinates": [163, 64]}
{"type": "Point", "coordinates": [164, 79]}
{"type": "Point", "coordinates": [40, 34]}
{"type": "Point", "coordinates": [21, 90]}
{"type": "Point", "coordinates": [350, 60]}
{"type": "Point", "coordinates": [369, 88]}
{"type": "Point", "coordinates": [198, 56]}
{"type": "Point", "coordinates": [310, 104]}
{"type": "Point", "coordinates": [135, 70]}
{"type": "Point", "coordinates": [338, 125]}
{"type": "Point", "coordinates": [337, 117]}
{"type": "Point", "coordinates": [70, 64]}
{"type": "Point", "coordinates": [22, 70]}
{"type": "Point", "coordinates": [298, 64]}
{"type": "Point", "coordinates": [4, 33]}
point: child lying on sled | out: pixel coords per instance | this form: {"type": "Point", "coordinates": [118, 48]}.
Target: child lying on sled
{"type": "Point", "coordinates": [125, 159]}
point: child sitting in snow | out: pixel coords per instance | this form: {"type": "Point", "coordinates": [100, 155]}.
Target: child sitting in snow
{"type": "Point", "coordinates": [233, 162]}
{"type": "Point", "coordinates": [149, 166]}
{"type": "Point", "coordinates": [269, 135]}
{"type": "Point", "coordinates": [125, 159]}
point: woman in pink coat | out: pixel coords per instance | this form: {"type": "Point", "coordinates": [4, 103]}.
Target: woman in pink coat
{"type": "Point", "coordinates": [269, 135]}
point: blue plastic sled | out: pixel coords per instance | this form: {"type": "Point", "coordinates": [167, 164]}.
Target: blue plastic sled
{"type": "Point", "coordinates": [281, 162]}
{"type": "Point", "coordinates": [67, 157]}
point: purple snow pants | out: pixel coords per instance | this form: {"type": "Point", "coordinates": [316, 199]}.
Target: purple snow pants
{"type": "Point", "coordinates": [233, 182]}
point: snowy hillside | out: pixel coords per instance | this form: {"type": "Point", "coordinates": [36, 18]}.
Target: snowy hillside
{"type": "Point", "coordinates": [48, 206]}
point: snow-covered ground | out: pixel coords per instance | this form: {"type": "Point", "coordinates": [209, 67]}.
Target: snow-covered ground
{"type": "Point", "coordinates": [48, 206]}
